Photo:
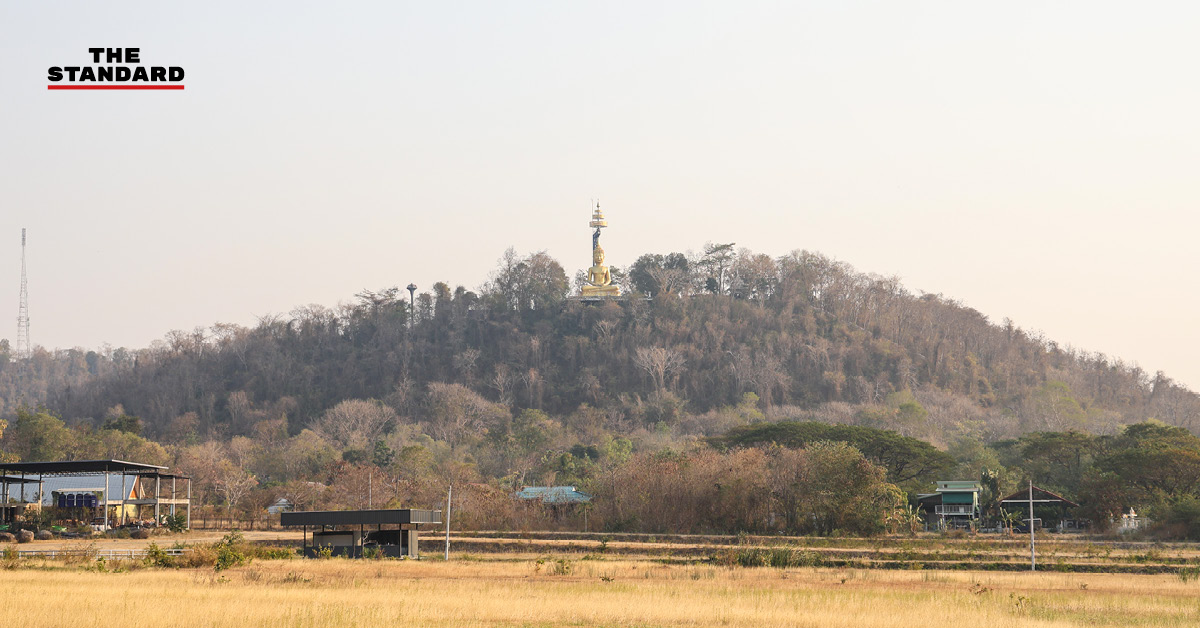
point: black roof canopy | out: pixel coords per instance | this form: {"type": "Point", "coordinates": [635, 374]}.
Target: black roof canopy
{"type": "Point", "coordinates": [359, 517]}
{"type": "Point", "coordinates": [166, 476]}
{"type": "Point", "coordinates": [79, 467]}
{"type": "Point", "coordinates": [1040, 496]}
{"type": "Point", "coordinates": [11, 479]}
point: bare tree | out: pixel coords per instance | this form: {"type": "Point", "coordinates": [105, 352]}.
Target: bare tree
{"type": "Point", "coordinates": [503, 382]}
{"type": "Point", "coordinates": [233, 482]}
{"type": "Point", "coordinates": [658, 362]}
{"type": "Point", "coordinates": [465, 362]}
{"type": "Point", "coordinates": [458, 412]}
{"type": "Point", "coordinates": [355, 423]}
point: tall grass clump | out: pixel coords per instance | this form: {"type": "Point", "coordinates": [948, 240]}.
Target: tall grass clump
{"type": "Point", "coordinates": [780, 557]}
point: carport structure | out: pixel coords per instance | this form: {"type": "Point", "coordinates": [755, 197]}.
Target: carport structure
{"type": "Point", "coordinates": [348, 532]}
{"type": "Point", "coordinates": [25, 472]}
{"type": "Point", "coordinates": [1037, 497]}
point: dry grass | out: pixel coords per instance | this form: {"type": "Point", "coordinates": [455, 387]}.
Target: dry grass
{"type": "Point", "coordinates": [585, 593]}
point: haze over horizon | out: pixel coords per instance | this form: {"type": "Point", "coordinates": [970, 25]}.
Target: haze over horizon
{"type": "Point", "coordinates": [1034, 163]}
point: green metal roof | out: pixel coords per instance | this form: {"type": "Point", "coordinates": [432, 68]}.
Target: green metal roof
{"type": "Point", "coordinates": [554, 494]}
{"type": "Point", "coordinates": [958, 486]}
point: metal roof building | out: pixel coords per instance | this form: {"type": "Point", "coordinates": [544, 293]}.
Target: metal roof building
{"type": "Point", "coordinates": [955, 503]}
{"type": "Point", "coordinates": [348, 533]}
{"type": "Point", "coordinates": [90, 484]}
{"type": "Point", "coordinates": [554, 495]}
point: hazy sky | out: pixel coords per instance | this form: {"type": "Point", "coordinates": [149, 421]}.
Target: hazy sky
{"type": "Point", "coordinates": [1033, 160]}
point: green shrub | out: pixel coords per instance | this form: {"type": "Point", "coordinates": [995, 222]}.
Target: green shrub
{"type": "Point", "coordinates": [156, 557]}
{"type": "Point", "coordinates": [9, 557]}
{"type": "Point", "coordinates": [230, 551]}
{"type": "Point", "coordinates": [554, 566]}
{"type": "Point", "coordinates": [177, 523]}
{"type": "Point", "coordinates": [273, 553]}
{"type": "Point", "coordinates": [1188, 574]}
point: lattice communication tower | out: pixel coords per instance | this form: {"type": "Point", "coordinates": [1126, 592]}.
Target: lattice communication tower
{"type": "Point", "coordinates": [23, 348]}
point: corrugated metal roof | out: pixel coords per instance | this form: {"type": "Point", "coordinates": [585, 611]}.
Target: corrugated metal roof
{"type": "Point", "coordinates": [958, 485]}
{"type": "Point", "coordinates": [359, 517]}
{"type": "Point", "coordinates": [78, 467]}
{"type": "Point", "coordinates": [554, 494]}
{"type": "Point", "coordinates": [1041, 496]}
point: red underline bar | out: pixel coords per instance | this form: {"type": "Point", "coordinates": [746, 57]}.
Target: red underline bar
{"type": "Point", "coordinates": [114, 87]}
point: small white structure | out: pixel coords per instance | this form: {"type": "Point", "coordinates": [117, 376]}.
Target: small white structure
{"type": "Point", "coordinates": [1131, 522]}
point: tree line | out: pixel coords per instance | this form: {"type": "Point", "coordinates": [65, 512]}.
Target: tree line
{"type": "Point", "coordinates": [714, 354]}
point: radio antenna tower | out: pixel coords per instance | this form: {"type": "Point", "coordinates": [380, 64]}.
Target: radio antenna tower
{"type": "Point", "coordinates": [24, 349]}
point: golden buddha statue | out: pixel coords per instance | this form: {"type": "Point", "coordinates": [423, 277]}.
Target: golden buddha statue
{"type": "Point", "coordinates": [599, 277]}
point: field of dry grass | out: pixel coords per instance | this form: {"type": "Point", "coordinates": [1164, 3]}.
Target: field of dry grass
{"type": "Point", "coordinates": [557, 591]}
{"type": "Point", "coordinates": [983, 552]}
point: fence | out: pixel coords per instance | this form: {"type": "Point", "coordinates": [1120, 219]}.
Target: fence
{"type": "Point", "coordinates": [95, 553]}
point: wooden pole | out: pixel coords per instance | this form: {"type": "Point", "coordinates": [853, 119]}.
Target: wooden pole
{"type": "Point", "coordinates": [449, 495]}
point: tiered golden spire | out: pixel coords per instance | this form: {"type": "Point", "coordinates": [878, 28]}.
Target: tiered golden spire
{"type": "Point", "coordinates": [599, 277]}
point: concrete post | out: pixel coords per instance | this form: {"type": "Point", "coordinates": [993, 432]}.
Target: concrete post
{"type": "Point", "coordinates": [412, 544]}
{"type": "Point", "coordinates": [1032, 552]}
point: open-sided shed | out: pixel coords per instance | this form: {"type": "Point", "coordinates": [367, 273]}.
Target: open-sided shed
{"type": "Point", "coordinates": [1054, 506]}
{"type": "Point", "coordinates": [349, 532]}
{"type": "Point", "coordinates": [90, 484]}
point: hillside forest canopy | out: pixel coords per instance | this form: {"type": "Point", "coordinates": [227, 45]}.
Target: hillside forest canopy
{"type": "Point", "coordinates": [715, 398]}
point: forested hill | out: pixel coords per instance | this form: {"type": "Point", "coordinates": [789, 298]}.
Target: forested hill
{"type": "Point", "coordinates": [810, 337]}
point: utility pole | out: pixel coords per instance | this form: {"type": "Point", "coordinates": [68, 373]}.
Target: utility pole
{"type": "Point", "coordinates": [23, 349]}
{"type": "Point", "coordinates": [449, 494]}
{"type": "Point", "coordinates": [1032, 552]}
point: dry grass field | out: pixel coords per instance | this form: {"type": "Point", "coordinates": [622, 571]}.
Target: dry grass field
{"type": "Point", "coordinates": [507, 591]}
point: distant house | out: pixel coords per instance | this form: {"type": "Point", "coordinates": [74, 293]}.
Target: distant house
{"type": "Point", "coordinates": [281, 505]}
{"type": "Point", "coordinates": [554, 495]}
{"type": "Point", "coordinates": [561, 501]}
{"type": "Point", "coordinates": [954, 504]}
